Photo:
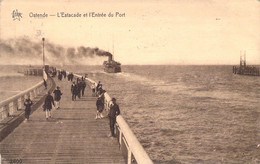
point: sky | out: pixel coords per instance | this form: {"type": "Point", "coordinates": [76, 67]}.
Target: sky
{"type": "Point", "coordinates": [149, 31]}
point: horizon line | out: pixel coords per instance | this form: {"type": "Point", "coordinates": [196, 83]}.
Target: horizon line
{"type": "Point", "coordinates": [130, 65]}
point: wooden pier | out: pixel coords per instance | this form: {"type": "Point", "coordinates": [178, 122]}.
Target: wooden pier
{"type": "Point", "coordinates": [71, 136]}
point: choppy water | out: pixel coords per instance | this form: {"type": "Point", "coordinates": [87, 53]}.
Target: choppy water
{"type": "Point", "coordinates": [188, 114]}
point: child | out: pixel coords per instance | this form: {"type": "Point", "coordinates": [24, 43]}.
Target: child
{"type": "Point", "coordinates": [100, 107]}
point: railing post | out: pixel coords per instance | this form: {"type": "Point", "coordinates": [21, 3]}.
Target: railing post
{"type": "Point", "coordinates": [120, 137]}
{"type": "Point", "coordinates": [37, 90]}
{"type": "Point", "coordinates": [11, 109]}
{"type": "Point", "coordinates": [34, 92]}
{"type": "Point", "coordinates": [6, 108]}
{"type": "Point", "coordinates": [22, 101]}
{"type": "Point", "coordinates": [19, 103]}
{"type": "Point", "coordinates": [3, 113]}
{"type": "Point", "coordinates": [129, 155]}
{"type": "Point", "coordinates": [15, 105]}
{"type": "Point", "coordinates": [31, 95]}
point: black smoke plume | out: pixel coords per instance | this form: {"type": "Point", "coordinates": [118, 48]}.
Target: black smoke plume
{"type": "Point", "coordinates": [25, 51]}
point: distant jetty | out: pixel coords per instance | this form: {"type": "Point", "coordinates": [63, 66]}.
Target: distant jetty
{"type": "Point", "coordinates": [243, 69]}
{"type": "Point", "coordinates": [38, 70]}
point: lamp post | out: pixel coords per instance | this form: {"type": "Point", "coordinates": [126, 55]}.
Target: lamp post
{"type": "Point", "coordinates": [43, 58]}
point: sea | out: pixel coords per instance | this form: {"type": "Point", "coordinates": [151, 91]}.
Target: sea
{"type": "Point", "coordinates": [13, 81]}
{"type": "Point", "coordinates": [180, 114]}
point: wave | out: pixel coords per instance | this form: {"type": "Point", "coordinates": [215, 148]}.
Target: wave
{"type": "Point", "coordinates": [142, 79]}
{"type": "Point", "coordinates": [158, 85]}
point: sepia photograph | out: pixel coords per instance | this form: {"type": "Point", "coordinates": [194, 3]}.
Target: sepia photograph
{"type": "Point", "coordinates": [130, 82]}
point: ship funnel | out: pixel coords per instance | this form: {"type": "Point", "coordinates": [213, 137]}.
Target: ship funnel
{"type": "Point", "coordinates": [110, 58]}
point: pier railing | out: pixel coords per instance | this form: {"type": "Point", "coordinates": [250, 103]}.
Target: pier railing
{"type": "Point", "coordinates": [130, 147]}
{"type": "Point", "coordinates": [9, 106]}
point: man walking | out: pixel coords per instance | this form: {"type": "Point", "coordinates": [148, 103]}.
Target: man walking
{"type": "Point", "coordinates": [83, 84]}
{"type": "Point", "coordinates": [73, 91]}
{"type": "Point", "coordinates": [114, 111]}
{"type": "Point", "coordinates": [28, 103]}
{"type": "Point", "coordinates": [57, 97]}
{"type": "Point", "coordinates": [79, 88]}
{"type": "Point", "coordinates": [48, 105]}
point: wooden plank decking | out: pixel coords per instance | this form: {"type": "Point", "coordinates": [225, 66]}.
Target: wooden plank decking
{"type": "Point", "coordinates": [71, 136]}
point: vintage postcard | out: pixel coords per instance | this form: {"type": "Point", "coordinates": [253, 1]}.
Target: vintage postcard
{"type": "Point", "coordinates": [120, 81]}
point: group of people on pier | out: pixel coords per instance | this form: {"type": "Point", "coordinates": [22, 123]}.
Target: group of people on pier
{"type": "Point", "coordinates": [50, 101]}
{"type": "Point", "coordinates": [100, 103]}
{"type": "Point", "coordinates": [112, 107]}
{"type": "Point", "coordinates": [78, 90]}
{"type": "Point", "coordinates": [70, 76]}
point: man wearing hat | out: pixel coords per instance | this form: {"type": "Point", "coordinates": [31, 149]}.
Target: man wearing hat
{"type": "Point", "coordinates": [57, 97]}
{"type": "Point", "coordinates": [74, 90]}
{"type": "Point", "coordinates": [28, 103]}
{"type": "Point", "coordinates": [114, 111]}
{"type": "Point", "coordinates": [48, 105]}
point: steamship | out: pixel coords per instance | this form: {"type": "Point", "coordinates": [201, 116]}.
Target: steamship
{"type": "Point", "coordinates": [111, 66]}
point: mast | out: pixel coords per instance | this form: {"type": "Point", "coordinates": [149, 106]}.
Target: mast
{"type": "Point", "coordinates": [240, 59]}
{"type": "Point", "coordinates": [45, 76]}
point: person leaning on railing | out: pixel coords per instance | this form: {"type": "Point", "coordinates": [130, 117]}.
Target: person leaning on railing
{"type": "Point", "coordinates": [113, 112]}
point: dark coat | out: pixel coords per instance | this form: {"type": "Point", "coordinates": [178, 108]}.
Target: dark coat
{"type": "Point", "coordinates": [60, 76]}
{"type": "Point", "coordinates": [57, 94]}
{"type": "Point", "coordinates": [114, 111]}
{"type": "Point", "coordinates": [48, 102]}
{"type": "Point", "coordinates": [74, 89]}
{"type": "Point", "coordinates": [79, 85]}
{"type": "Point", "coordinates": [83, 84]}
{"type": "Point", "coordinates": [28, 103]}
{"type": "Point", "coordinates": [100, 105]}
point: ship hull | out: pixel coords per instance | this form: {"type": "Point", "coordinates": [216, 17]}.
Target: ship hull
{"type": "Point", "coordinates": [112, 69]}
